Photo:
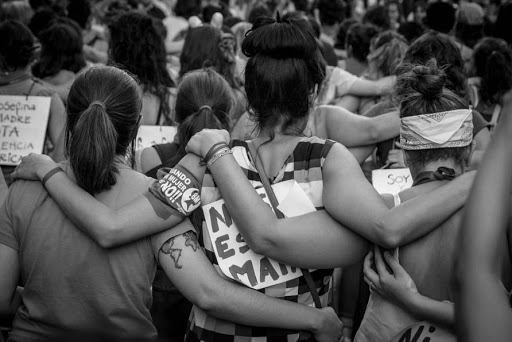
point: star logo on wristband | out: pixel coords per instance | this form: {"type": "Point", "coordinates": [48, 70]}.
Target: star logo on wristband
{"type": "Point", "coordinates": [190, 200]}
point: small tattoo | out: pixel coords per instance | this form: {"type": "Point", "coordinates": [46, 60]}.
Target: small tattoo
{"type": "Point", "coordinates": [175, 253]}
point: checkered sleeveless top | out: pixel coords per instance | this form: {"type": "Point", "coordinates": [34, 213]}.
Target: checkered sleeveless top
{"type": "Point", "coordinates": [304, 166]}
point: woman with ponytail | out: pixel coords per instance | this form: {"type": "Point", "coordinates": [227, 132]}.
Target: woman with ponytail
{"type": "Point", "coordinates": [492, 64]}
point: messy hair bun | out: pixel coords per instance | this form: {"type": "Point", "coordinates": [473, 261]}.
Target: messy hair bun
{"type": "Point", "coordinates": [421, 89]}
{"type": "Point", "coordinates": [285, 64]}
{"type": "Point", "coordinates": [279, 40]}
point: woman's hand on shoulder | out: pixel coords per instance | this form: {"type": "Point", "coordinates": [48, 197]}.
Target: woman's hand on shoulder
{"type": "Point", "coordinates": [203, 141]}
{"type": "Point", "coordinates": [33, 167]}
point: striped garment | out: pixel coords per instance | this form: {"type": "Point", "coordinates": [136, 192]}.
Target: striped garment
{"type": "Point", "coordinates": [304, 165]}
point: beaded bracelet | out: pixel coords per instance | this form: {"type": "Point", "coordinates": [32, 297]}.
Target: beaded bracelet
{"type": "Point", "coordinates": [214, 149]}
{"type": "Point", "coordinates": [217, 155]}
{"type": "Point", "coordinates": [50, 174]}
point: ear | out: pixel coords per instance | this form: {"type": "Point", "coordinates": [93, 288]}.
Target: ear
{"type": "Point", "coordinates": [406, 160]}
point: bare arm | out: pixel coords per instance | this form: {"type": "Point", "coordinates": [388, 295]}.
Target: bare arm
{"type": "Point", "coordinates": [364, 87]}
{"type": "Point", "coordinates": [149, 159]}
{"type": "Point", "coordinates": [483, 309]}
{"type": "Point", "coordinates": [10, 272]}
{"type": "Point", "coordinates": [351, 200]}
{"type": "Point", "coordinates": [184, 262]}
{"type": "Point", "coordinates": [56, 124]}
{"type": "Point", "coordinates": [352, 130]}
{"type": "Point", "coordinates": [108, 227]}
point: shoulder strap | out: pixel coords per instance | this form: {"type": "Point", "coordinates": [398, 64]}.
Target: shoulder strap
{"type": "Point", "coordinates": [273, 200]}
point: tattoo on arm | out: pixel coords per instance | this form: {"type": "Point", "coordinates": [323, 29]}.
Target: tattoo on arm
{"type": "Point", "coordinates": [175, 253]}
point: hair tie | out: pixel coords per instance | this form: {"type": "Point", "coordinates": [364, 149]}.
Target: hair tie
{"type": "Point", "coordinates": [205, 107]}
{"type": "Point", "coordinates": [98, 103]}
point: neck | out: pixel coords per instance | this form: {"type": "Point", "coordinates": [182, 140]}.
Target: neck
{"type": "Point", "coordinates": [6, 77]}
{"type": "Point", "coordinates": [433, 166]}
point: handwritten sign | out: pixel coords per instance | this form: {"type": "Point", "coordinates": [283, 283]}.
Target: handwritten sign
{"type": "Point", "coordinates": [391, 181]}
{"type": "Point", "coordinates": [236, 260]}
{"type": "Point", "coordinates": [23, 122]}
{"type": "Point", "coordinates": [154, 135]}
{"type": "Point", "coordinates": [423, 332]}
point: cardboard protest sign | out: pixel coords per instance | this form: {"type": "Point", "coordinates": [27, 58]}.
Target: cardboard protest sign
{"type": "Point", "coordinates": [23, 122]}
{"type": "Point", "coordinates": [154, 135]}
{"type": "Point", "coordinates": [391, 181]}
{"type": "Point", "coordinates": [423, 332]}
{"type": "Point", "coordinates": [234, 257]}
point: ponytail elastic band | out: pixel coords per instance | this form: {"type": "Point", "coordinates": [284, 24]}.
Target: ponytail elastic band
{"type": "Point", "coordinates": [205, 107]}
{"type": "Point", "coordinates": [97, 103]}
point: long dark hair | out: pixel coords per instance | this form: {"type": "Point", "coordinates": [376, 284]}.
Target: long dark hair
{"type": "Point", "coordinates": [137, 46]}
{"type": "Point", "coordinates": [285, 64]}
{"type": "Point", "coordinates": [206, 46]}
{"type": "Point", "coordinates": [62, 49]}
{"type": "Point", "coordinates": [17, 48]}
{"type": "Point", "coordinates": [493, 63]}
{"type": "Point", "coordinates": [204, 100]}
{"type": "Point", "coordinates": [104, 105]}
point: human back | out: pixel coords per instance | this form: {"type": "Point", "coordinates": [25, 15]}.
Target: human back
{"type": "Point", "coordinates": [71, 284]}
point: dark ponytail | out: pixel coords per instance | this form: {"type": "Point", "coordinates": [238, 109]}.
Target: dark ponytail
{"type": "Point", "coordinates": [104, 106]}
{"type": "Point", "coordinates": [204, 100]}
{"type": "Point", "coordinates": [493, 63]}
{"type": "Point", "coordinates": [95, 139]}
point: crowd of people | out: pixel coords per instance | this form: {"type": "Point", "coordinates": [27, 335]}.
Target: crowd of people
{"type": "Point", "coordinates": [258, 220]}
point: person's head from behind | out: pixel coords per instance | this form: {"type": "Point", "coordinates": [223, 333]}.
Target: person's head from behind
{"type": "Point", "coordinates": [204, 100]}
{"type": "Point", "coordinates": [359, 37]}
{"type": "Point", "coordinates": [16, 10]}
{"type": "Point", "coordinates": [187, 8]}
{"type": "Point", "coordinates": [427, 109]}
{"type": "Point", "coordinates": [492, 59]}
{"type": "Point", "coordinates": [470, 20]}
{"type": "Point", "coordinates": [284, 69]}
{"type": "Point", "coordinates": [440, 16]}
{"type": "Point", "coordinates": [17, 48]}
{"type": "Point", "coordinates": [386, 51]}
{"type": "Point", "coordinates": [378, 17]}
{"type": "Point", "coordinates": [441, 47]}
{"type": "Point", "coordinates": [332, 12]}
{"type": "Point", "coordinates": [137, 46]}
{"type": "Point", "coordinates": [80, 11]}
{"type": "Point", "coordinates": [41, 20]}
{"type": "Point", "coordinates": [61, 49]}
{"type": "Point", "coordinates": [104, 106]}
{"type": "Point", "coordinates": [411, 31]}
{"type": "Point", "coordinates": [207, 46]}
{"type": "Point", "coordinates": [341, 37]}
{"type": "Point", "coordinates": [502, 26]}
{"type": "Point", "coordinates": [258, 10]}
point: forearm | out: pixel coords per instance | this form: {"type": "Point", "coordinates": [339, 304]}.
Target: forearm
{"type": "Point", "coordinates": [431, 310]}
{"type": "Point", "coordinates": [256, 309]}
{"type": "Point", "coordinates": [108, 227]}
{"type": "Point", "coordinates": [363, 87]}
{"type": "Point", "coordinates": [415, 218]}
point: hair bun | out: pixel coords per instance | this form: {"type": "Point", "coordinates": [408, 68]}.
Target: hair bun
{"type": "Point", "coordinates": [428, 80]}
{"type": "Point", "coordinates": [280, 40]}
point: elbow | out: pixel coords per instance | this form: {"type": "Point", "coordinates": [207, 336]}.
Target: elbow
{"type": "Point", "coordinates": [387, 236]}
{"type": "Point", "coordinates": [260, 246]}
{"type": "Point", "coordinates": [108, 238]}
{"type": "Point", "coordinates": [373, 134]}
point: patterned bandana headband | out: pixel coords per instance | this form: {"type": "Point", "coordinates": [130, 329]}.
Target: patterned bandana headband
{"type": "Point", "coordinates": [437, 130]}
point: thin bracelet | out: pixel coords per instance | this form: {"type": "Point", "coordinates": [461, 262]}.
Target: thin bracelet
{"type": "Point", "coordinates": [214, 149]}
{"type": "Point", "coordinates": [50, 174]}
{"type": "Point", "coordinates": [217, 156]}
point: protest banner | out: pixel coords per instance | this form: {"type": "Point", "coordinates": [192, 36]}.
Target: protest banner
{"type": "Point", "coordinates": [236, 260]}
{"type": "Point", "coordinates": [424, 332]}
{"type": "Point", "coordinates": [391, 181]}
{"type": "Point", "coordinates": [154, 135]}
{"type": "Point", "coordinates": [23, 122]}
